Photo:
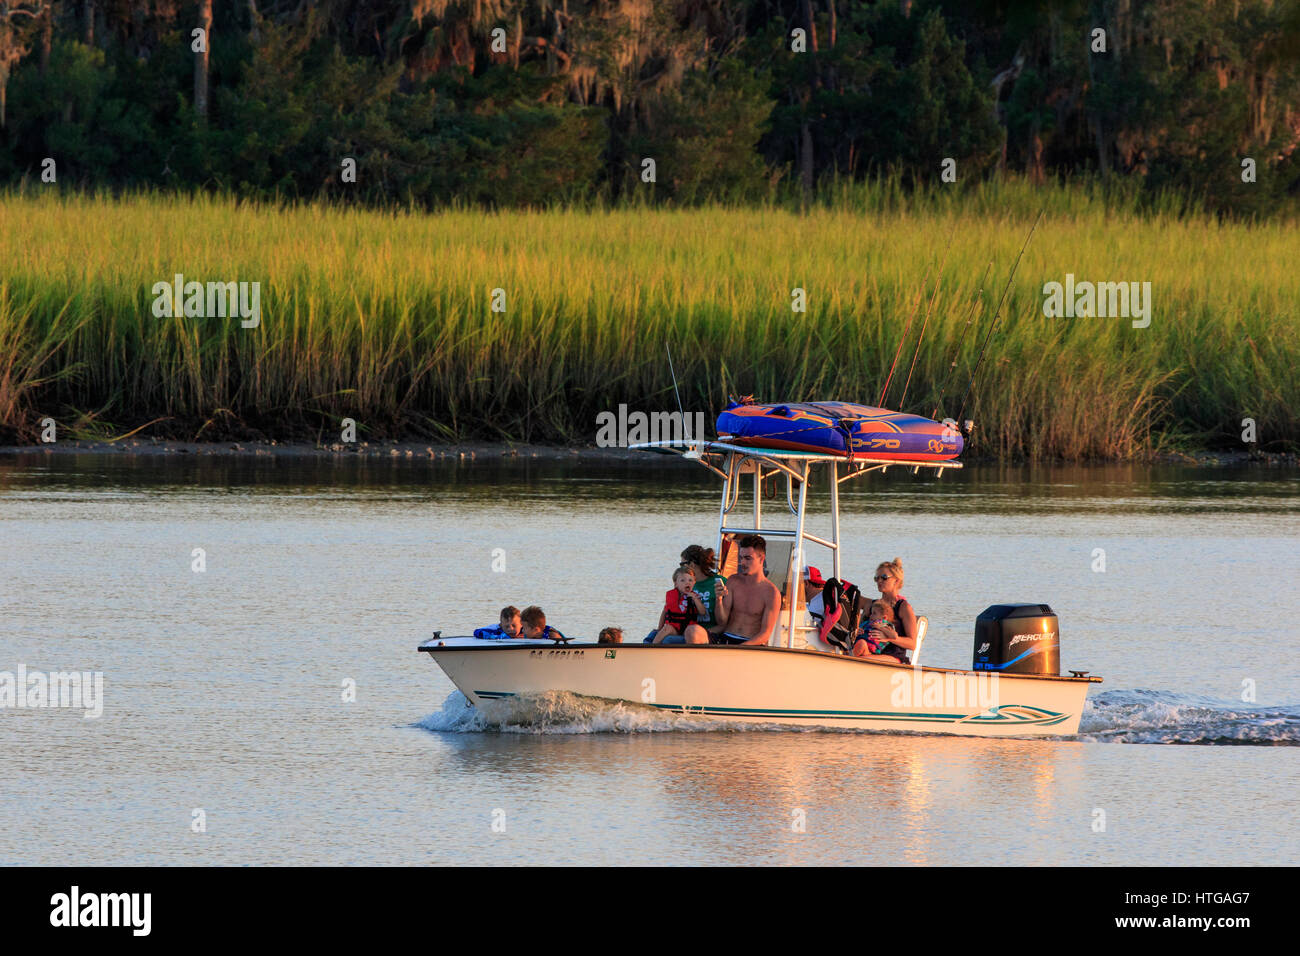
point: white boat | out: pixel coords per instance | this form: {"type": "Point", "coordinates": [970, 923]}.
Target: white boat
{"type": "Point", "coordinates": [796, 679]}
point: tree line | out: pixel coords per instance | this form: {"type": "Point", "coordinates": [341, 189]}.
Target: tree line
{"type": "Point", "coordinates": [532, 103]}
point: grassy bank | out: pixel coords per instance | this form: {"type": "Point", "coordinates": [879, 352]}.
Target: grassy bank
{"type": "Point", "coordinates": [386, 318]}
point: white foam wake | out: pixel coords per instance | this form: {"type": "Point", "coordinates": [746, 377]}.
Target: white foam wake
{"type": "Point", "coordinates": [560, 712]}
{"type": "Point", "coordinates": [1161, 717]}
{"type": "Point", "coordinates": [1121, 716]}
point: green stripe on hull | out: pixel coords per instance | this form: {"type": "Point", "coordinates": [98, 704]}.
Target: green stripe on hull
{"type": "Point", "coordinates": [1043, 718]}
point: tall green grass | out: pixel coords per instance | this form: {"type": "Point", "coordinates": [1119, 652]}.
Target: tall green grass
{"type": "Point", "coordinates": [385, 318]}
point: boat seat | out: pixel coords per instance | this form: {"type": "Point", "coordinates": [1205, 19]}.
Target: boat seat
{"type": "Point", "coordinates": [922, 625]}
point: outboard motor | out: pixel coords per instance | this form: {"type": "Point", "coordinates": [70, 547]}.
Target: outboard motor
{"type": "Point", "coordinates": [1018, 639]}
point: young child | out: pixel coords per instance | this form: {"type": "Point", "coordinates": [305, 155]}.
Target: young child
{"type": "Point", "coordinates": [508, 628]}
{"type": "Point", "coordinates": [681, 605]}
{"type": "Point", "coordinates": [879, 628]}
{"type": "Point", "coordinates": [610, 635]}
{"type": "Point", "coordinates": [535, 627]}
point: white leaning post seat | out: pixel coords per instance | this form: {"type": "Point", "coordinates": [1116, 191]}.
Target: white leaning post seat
{"type": "Point", "coordinates": [922, 625]}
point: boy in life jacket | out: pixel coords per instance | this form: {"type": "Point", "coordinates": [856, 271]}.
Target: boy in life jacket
{"type": "Point", "coordinates": [681, 606]}
{"type": "Point", "coordinates": [535, 626]}
{"type": "Point", "coordinates": [509, 627]}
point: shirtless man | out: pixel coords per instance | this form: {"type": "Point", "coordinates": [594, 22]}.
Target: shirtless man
{"type": "Point", "coordinates": [750, 603]}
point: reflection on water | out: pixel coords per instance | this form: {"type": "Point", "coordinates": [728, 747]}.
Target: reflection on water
{"type": "Point", "coordinates": [983, 489]}
{"type": "Point", "coordinates": [223, 689]}
{"type": "Point", "coordinates": [874, 799]}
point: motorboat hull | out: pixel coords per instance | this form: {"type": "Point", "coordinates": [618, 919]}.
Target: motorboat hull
{"type": "Point", "coordinates": [771, 685]}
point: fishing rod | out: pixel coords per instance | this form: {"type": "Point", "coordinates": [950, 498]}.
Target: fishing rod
{"type": "Point", "coordinates": [673, 373]}
{"type": "Point", "coordinates": [996, 315]}
{"type": "Point", "coordinates": [962, 341]}
{"type": "Point", "coordinates": [880, 403]}
{"type": "Point", "coordinates": [920, 337]}
{"type": "Point", "coordinates": [691, 452]}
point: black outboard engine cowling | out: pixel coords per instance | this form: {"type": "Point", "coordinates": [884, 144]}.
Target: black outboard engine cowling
{"type": "Point", "coordinates": [1018, 639]}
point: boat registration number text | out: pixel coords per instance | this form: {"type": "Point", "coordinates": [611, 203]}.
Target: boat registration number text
{"type": "Point", "coordinates": [554, 652]}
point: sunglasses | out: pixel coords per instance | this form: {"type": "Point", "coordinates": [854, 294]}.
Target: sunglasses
{"type": "Point", "coordinates": [883, 577]}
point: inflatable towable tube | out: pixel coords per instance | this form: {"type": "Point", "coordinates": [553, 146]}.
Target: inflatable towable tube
{"type": "Point", "coordinates": [858, 431]}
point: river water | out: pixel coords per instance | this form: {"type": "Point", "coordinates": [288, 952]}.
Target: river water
{"type": "Point", "coordinates": [229, 733]}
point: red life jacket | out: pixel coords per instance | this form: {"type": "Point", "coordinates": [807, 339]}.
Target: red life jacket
{"type": "Point", "coordinates": [678, 609]}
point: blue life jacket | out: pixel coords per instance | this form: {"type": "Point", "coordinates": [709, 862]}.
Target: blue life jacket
{"type": "Point", "coordinates": [496, 634]}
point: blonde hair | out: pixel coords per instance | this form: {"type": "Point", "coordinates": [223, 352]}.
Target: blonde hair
{"type": "Point", "coordinates": [684, 569]}
{"type": "Point", "coordinates": [894, 567]}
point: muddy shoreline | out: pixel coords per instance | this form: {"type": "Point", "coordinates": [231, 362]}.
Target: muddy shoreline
{"type": "Point", "coordinates": [490, 451]}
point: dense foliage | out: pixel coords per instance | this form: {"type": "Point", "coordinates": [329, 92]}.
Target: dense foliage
{"type": "Point", "coordinates": [532, 103]}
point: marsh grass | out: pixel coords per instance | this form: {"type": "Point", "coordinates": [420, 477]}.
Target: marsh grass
{"type": "Point", "coordinates": [384, 317]}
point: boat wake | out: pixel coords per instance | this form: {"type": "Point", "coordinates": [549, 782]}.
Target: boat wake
{"type": "Point", "coordinates": [1160, 717]}
{"type": "Point", "coordinates": [1118, 716]}
{"type": "Point", "coordinates": [561, 712]}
